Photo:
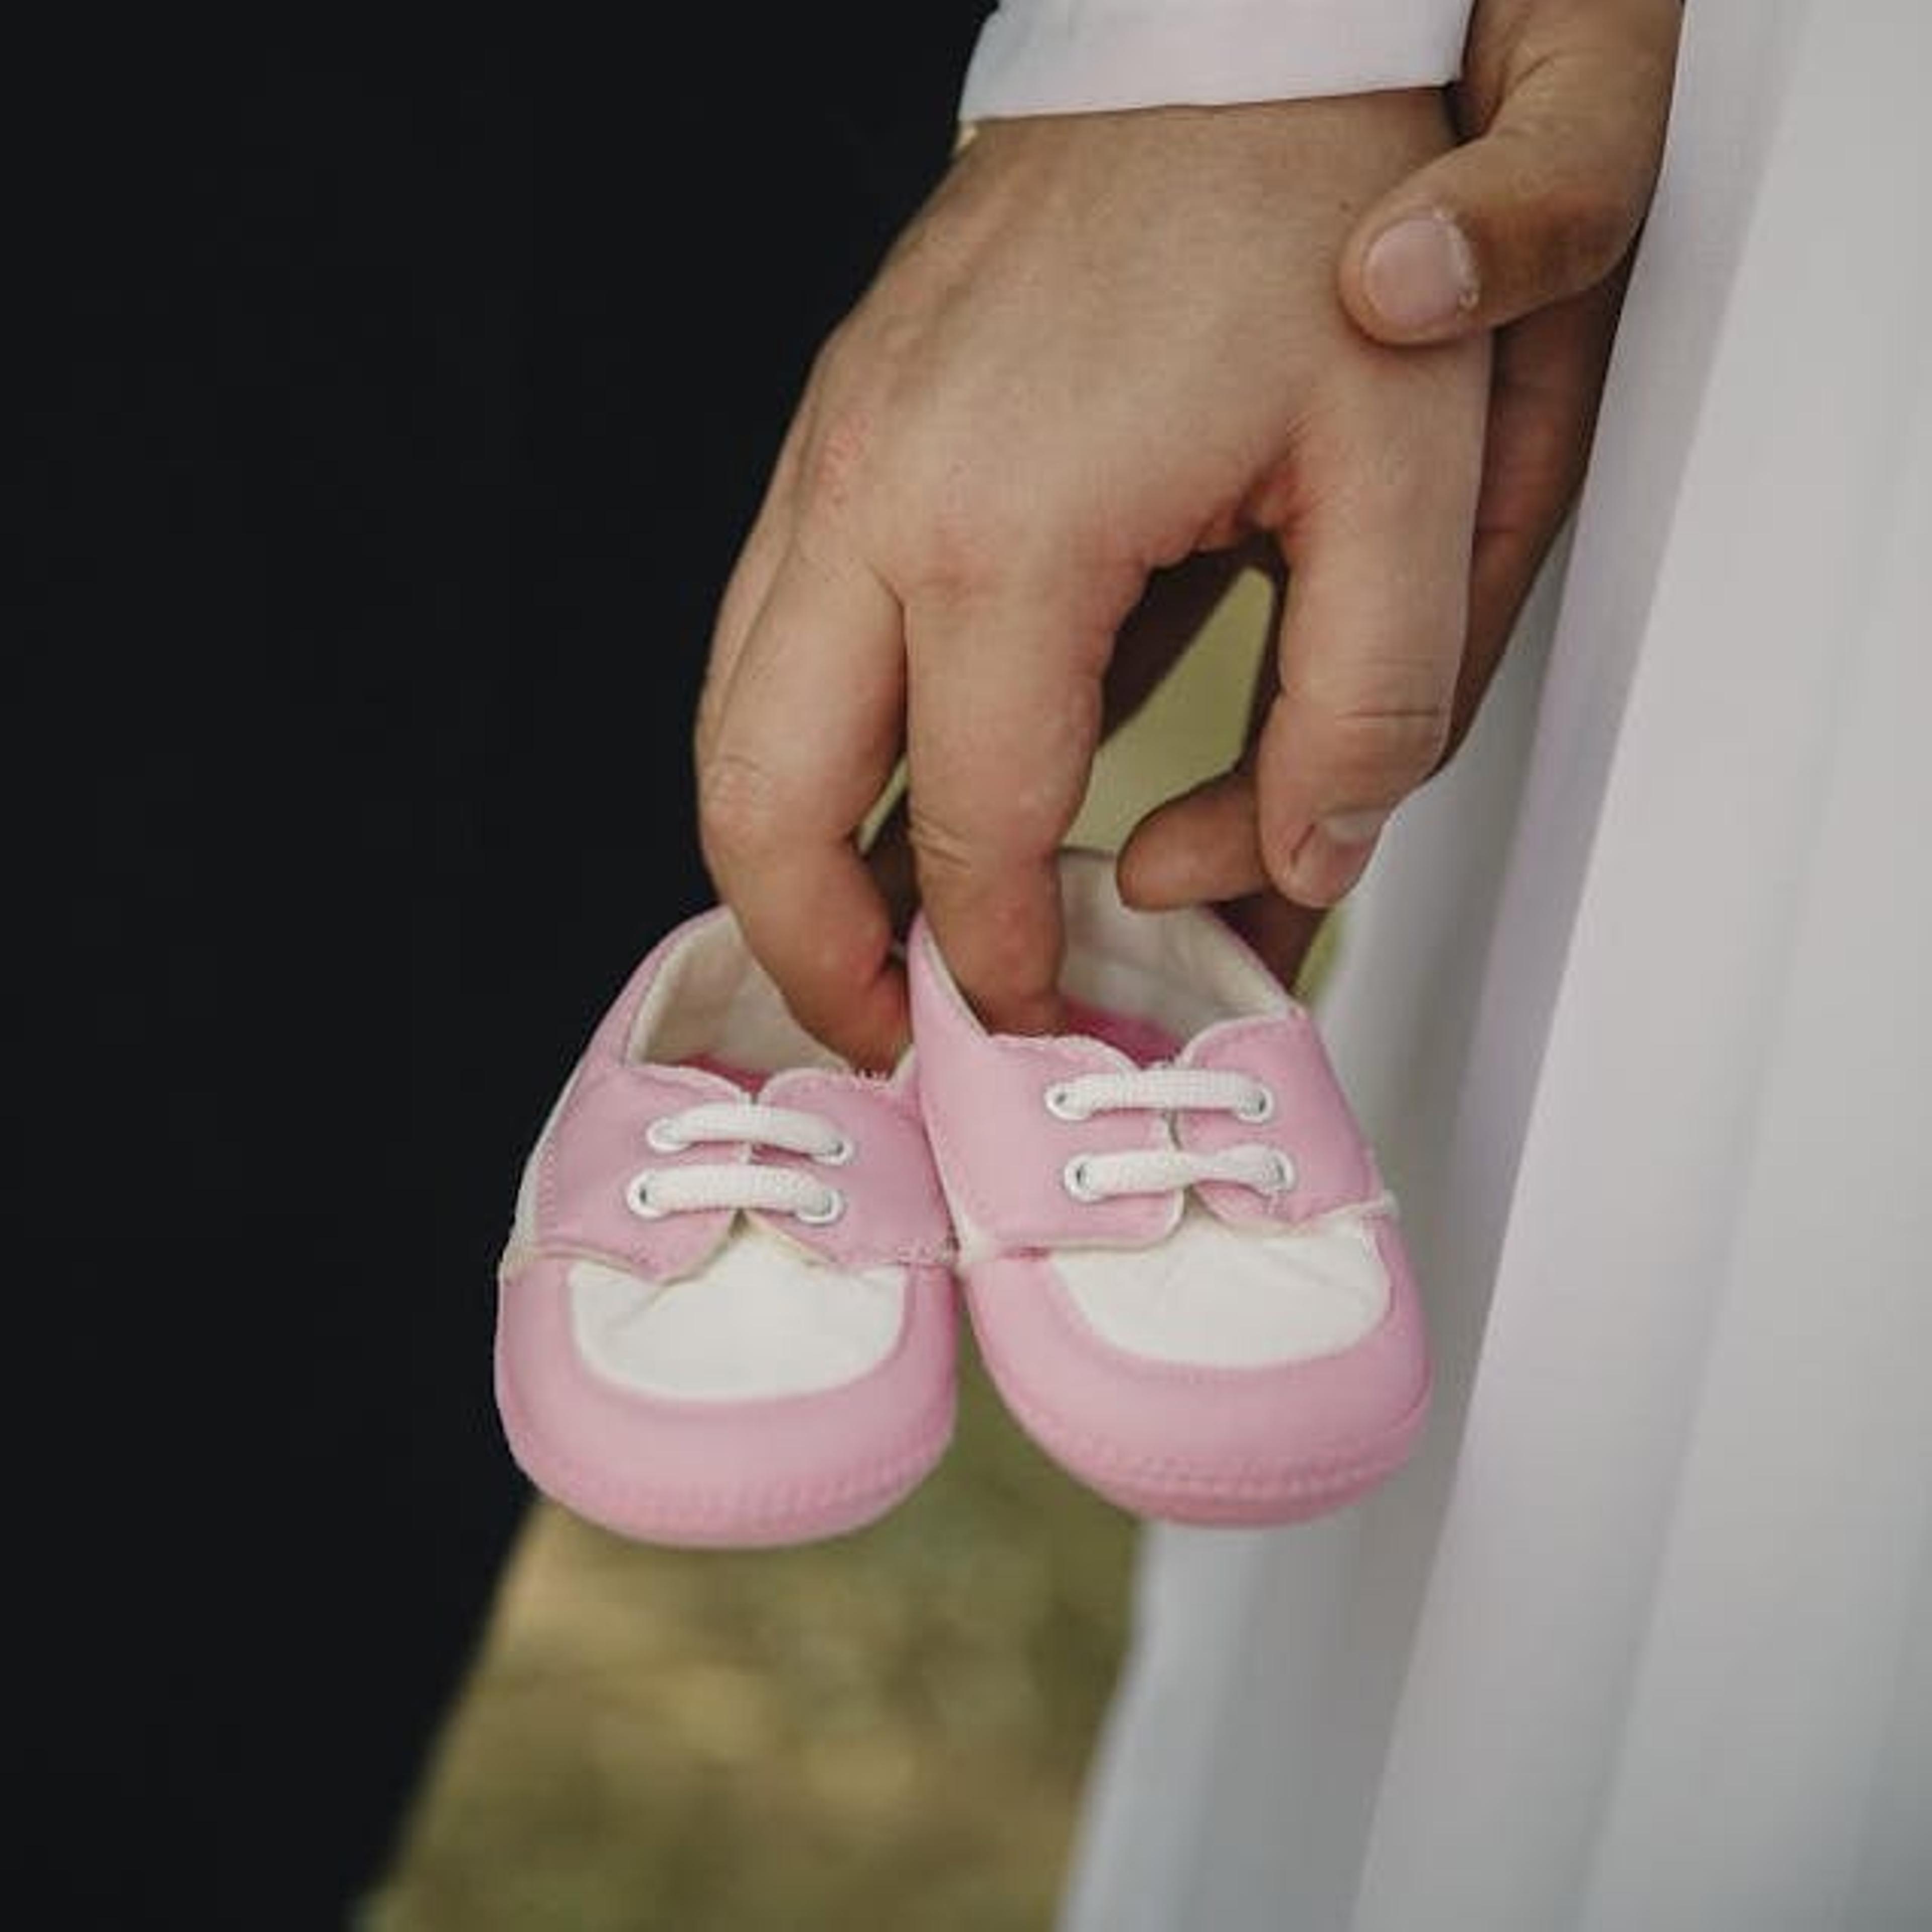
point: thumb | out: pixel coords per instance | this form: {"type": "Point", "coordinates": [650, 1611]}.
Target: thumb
{"type": "Point", "coordinates": [1545, 201]}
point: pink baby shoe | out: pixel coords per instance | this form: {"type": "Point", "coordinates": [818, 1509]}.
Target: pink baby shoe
{"type": "Point", "coordinates": [726, 1315]}
{"type": "Point", "coordinates": [1184, 1272]}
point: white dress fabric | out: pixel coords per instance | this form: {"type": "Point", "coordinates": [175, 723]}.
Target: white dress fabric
{"type": "Point", "coordinates": [1633, 1003]}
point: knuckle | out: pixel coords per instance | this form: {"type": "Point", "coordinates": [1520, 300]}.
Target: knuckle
{"type": "Point", "coordinates": [739, 811]}
{"type": "Point", "coordinates": [1582, 215]}
{"type": "Point", "coordinates": [1380, 751]}
{"type": "Point", "coordinates": [946, 530]}
{"type": "Point", "coordinates": [839, 461]}
{"type": "Point", "coordinates": [942, 852]}
{"type": "Point", "coordinates": [967, 540]}
{"type": "Point", "coordinates": [1012, 827]}
{"type": "Point", "coordinates": [1590, 226]}
{"type": "Point", "coordinates": [1378, 728]}
{"type": "Point", "coordinates": [975, 532]}
{"type": "Point", "coordinates": [831, 965]}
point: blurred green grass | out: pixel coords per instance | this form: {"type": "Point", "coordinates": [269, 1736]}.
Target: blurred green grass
{"type": "Point", "coordinates": [892, 1728]}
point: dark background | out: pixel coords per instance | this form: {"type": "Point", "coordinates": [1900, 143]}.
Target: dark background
{"type": "Point", "coordinates": [391, 414]}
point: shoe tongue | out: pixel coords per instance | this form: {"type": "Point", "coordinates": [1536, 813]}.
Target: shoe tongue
{"type": "Point", "coordinates": [725, 1069]}
{"type": "Point", "coordinates": [1140, 1040]}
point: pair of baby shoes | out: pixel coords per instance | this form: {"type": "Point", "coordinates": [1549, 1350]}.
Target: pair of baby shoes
{"type": "Point", "coordinates": [728, 1309]}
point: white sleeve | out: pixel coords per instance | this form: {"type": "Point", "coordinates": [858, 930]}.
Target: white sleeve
{"type": "Point", "coordinates": [1073, 56]}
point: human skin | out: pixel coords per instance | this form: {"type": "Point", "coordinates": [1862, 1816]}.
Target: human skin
{"type": "Point", "coordinates": [1115, 355]}
{"type": "Point", "coordinates": [1108, 342]}
{"type": "Point", "coordinates": [1562, 108]}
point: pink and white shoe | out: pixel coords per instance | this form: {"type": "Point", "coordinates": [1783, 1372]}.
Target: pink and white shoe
{"type": "Point", "coordinates": [1183, 1270]}
{"type": "Point", "coordinates": [726, 1314]}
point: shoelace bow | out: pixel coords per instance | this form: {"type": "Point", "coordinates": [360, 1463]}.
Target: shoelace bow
{"type": "Point", "coordinates": [1102, 1177]}
{"type": "Point", "coordinates": [696, 1187]}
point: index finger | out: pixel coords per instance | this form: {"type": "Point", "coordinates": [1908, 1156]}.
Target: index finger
{"type": "Point", "coordinates": [803, 737]}
{"type": "Point", "coordinates": [1003, 722]}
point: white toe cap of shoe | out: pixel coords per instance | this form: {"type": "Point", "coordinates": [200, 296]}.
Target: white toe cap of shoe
{"type": "Point", "coordinates": [760, 1319]}
{"type": "Point", "coordinates": [1213, 1296]}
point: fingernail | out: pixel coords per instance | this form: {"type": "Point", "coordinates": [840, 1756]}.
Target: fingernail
{"type": "Point", "coordinates": [1421, 273]}
{"type": "Point", "coordinates": [1332, 856]}
{"type": "Point", "coordinates": [1355, 828]}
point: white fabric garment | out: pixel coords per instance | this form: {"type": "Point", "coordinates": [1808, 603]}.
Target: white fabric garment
{"type": "Point", "coordinates": [1634, 1003]}
{"type": "Point", "coordinates": [1061, 56]}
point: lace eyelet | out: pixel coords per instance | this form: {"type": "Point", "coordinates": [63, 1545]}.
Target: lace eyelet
{"type": "Point", "coordinates": [823, 1215]}
{"type": "Point", "coordinates": [637, 1198]}
{"type": "Point", "coordinates": [1059, 1101]}
{"type": "Point", "coordinates": [1284, 1170]}
{"type": "Point", "coordinates": [661, 1137]}
{"type": "Point", "coordinates": [838, 1153]}
{"type": "Point", "coordinates": [1261, 1108]}
{"type": "Point", "coordinates": [1073, 1178]}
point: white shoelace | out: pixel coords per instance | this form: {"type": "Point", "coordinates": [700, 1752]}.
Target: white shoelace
{"type": "Point", "coordinates": [653, 1192]}
{"type": "Point", "coordinates": [1102, 1177]}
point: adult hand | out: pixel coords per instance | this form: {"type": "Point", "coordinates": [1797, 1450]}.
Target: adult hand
{"type": "Point", "coordinates": [1109, 343]}
{"type": "Point", "coordinates": [1528, 229]}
